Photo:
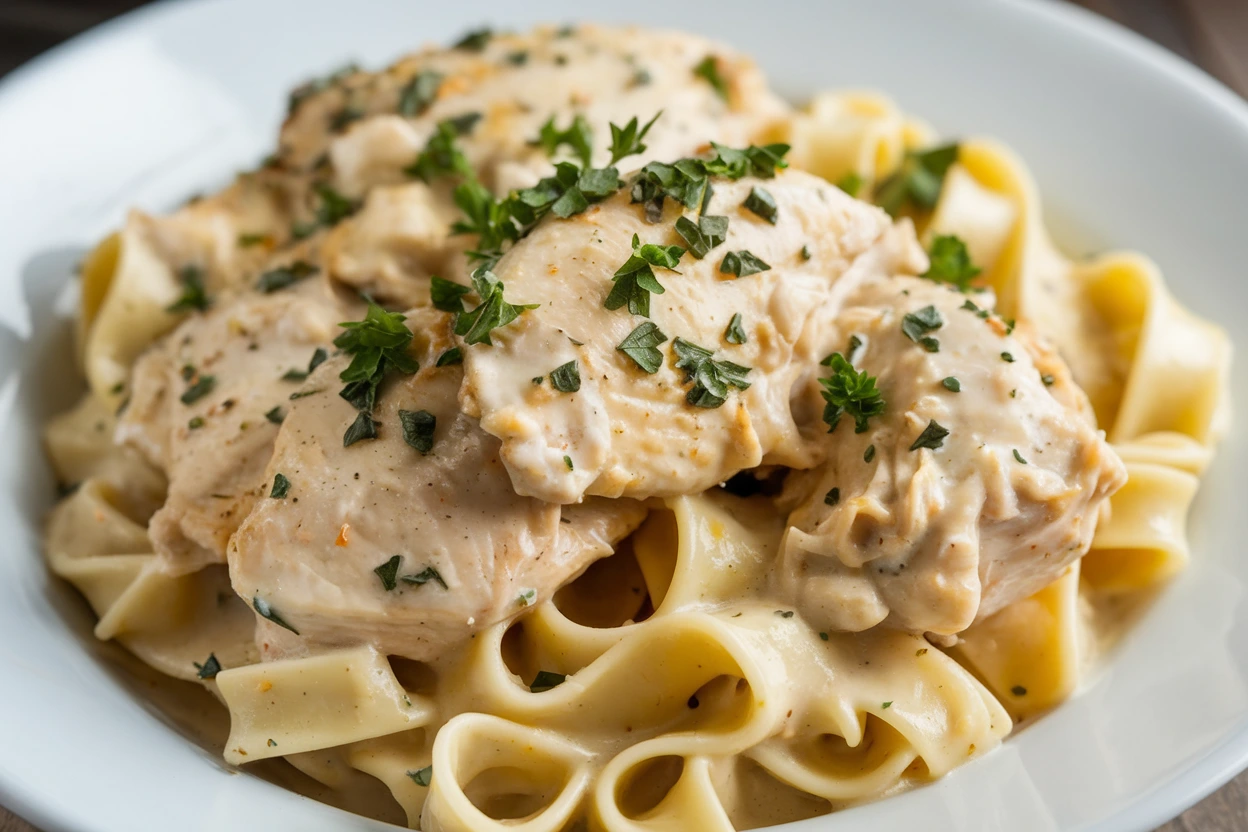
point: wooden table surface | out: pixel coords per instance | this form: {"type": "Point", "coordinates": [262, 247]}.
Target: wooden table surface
{"type": "Point", "coordinates": [1210, 33]}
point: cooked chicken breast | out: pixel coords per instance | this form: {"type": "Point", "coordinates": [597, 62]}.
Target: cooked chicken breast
{"type": "Point", "coordinates": [979, 483]}
{"type": "Point", "coordinates": [633, 433]}
{"type": "Point", "coordinates": [469, 550]}
{"type": "Point", "coordinates": [204, 408]}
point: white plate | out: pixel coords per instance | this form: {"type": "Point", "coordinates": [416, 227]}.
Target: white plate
{"type": "Point", "coordinates": [1131, 147]}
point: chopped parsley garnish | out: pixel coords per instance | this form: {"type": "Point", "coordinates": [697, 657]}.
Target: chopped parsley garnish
{"type": "Point", "coordinates": [493, 311]}
{"type": "Point", "coordinates": [933, 436]}
{"type": "Point", "coordinates": [642, 344]}
{"type": "Point", "coordinates": [318, 358]}
{"type": "Point", "coordinates": [309, 88]}
{"type": "Point", "coordinates": [1008, 358]}
{"type": "Point", "coordinates": [849, 391]}
{"type": "Point", "coordinates": [706, 234]}
{"type": "Point", "coordinates": [1019, 457]}
{"type": "Point", "coordinates": [527, 597]}
{"type": "Point", "coordinates": [752, 161]}
{"type": "Point", "coordinates": [951, 263]}
{"type": "Point", "coordinates": [577, 136]}
{"type": "Point", "coordinates": [567, 461]}
{"type": "Point", "coordinates": [422, 777]}
{"type": "Point", "coordinates": [424, 576]}
{"type": "Point", "coordinates": [454, 355]}
{"type": "Point", "coordinates": [344, 117]}
{"type": "Point", "coordinates": [635, 280]}
{"type": "Point", "coordinates": [441, 156]}
{"type": "Point", "coordinates": [869, 453]}
{"type": "Point", "coordinates": [193, 296]}
{"type": "Point", "coordinates": [247, 240]}
{"type": "Point", "coordinates": [389, 572]}
{"type": "Point", "coordinates": [952, 384]}
{"type": "Point", "coordinates": [517, 58]}
{"type": "Point", "coordinates": [918, 181]}
{"type": "Point", "coordinates": [916, 325]}
{"type": "Point", "coordinates": [627, 140]}
{"type": "Point", "coordinates": [762, 203]}
{"type": "Point", "coordinates": [566, 378]}
{"type": "Point", "coordinates": [474, 41]}
{"type": "Point", "coordinates": [418, 427]}
{"type": "Point", "coordinates": [687, 181]}
{"type": "Point", "coordinates": [805, 253]}
{"type": "Point", "coordinates": [334, 206]}
{"type": "Point", "coordinates": [283, 276]}
{"type": "Point", "coordinates": [418, 93]}
{"type": "Point", "coordinates": [364, 427]}
{"type": "Point", "coordinates": [711, 378]}
{"type": "Point", "coordinates": [303, 394]}
{"type": "Point", "coordinates": [851, 183]}
{"type": "Point", "coordinates": [1048, 379]}
{"type": "Point", "coordinates": [823, 636]}
{"type": "Point", "coordinates": [785, 613]}
{"type": "Point", "coordinates": [202, 387]}
{"type": "Point", "coordinates": [735, 333]}
{"type": "Point", "coordinates": [742, 264]}
{"type": "Point", "coordinates": [377, 345]}
{"type": "Point", "coordinates": [209, 669]}
{"type": "Point", "coordinates": [447, 295]}
{"type": "Point", "coordinates": [1018, 690]}
{"type": "Point", "coordinates": [545, 680]}
{"type": "Point", "coordinates": [281, 487]}
{"type": "Point", "coordinates": [832, 497]}
{"type": "Point", "coordinates": [708, 69]}
{"type": "Point", "coordinates": [887, 705]}
{"type": "Point", "coordinates": [262, 607]}
{"type": "Point", "coordinates": [275, 415]}
{"type": "Point", "coordinates": [195, 423]}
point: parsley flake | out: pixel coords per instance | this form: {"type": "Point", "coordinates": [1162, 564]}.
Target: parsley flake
{"type": "Point", "coordinates": [635, 280]}
{"type": "Point", "coordinates": [742, 264]}
{"type": "Point", "coordinates": [1008, 358]}
{"type": "Point", "coordinates": [916, 325]}
{"type": "Point", "coordinates": [377, 345]}
{"type": "Point", "coordinates": [193, 296]}
{"type": "Point", "coordinates": [762, 203]}
{"type": "Point", "coordinates": [1019, 457]}
{"type": "Point", "coordinates": [527, 597]}
{"type": "Point", "coordinates": [851, 183]}
{"type": "Point", "coordinates": [388, 572]}
{"type": "Point", "coordinates": [424, 576]}
{"type": "Point", "coordinates": [275, 415]}
{"type": "Point", "coordinates": [1048, 379]}
{"type": "Point", "coordinates": [281, 487]}
{"type": "Point", "coordinates": [952, 384]}
{"type": "Point", "coordinates": [364, 427]}
{"type": "Point", "coordinates": [735, 333]}
{"type": "Point", "coordinates": [950, 263]}
{"type": "Point", "coordinates": [283, 276]}
{"type": "Point", "coordinates": [422, 777]}
{"type": "Point", "coordinates": [447, 295]}
{"type": "Point", "coordinates": [832, 497]}
{"type": "Point", "coordinates": [454, 355]}
{"type": "Point", "coordinates": [262, 607]}
{"type": "Point", "coordinates": [209, 669]}
{"type": "Point", "coordinates": [869, 453]}
{"type": "Point", "coordinates": [566, 378]}
{"type": "Point", "coordinates": [202, 387]}
{"type": "Point", "coordinates": [708, 69]}
{"type": "Point", "coordinates": [641, 345]}
{"type": "Point", "coordinates": [567, 461]}
{"type": "Point", "coordinates": [474, 41]}
{"type": "Point", "coordinates": [578, 136]}
{"type": "Point", "coordinates": [418, 427]}
{"type": "Point", "coordinates": [709, 232]}
{"type": "Point", "coordinates": [441, 156]}
{"type": "Point", "coordinates": [418, 93]}
{"type": "Point", "coordinates": [918, 181]}
{"type": "Point", "coordinates": [932, 437]}
{"type": "Point", "coordinates": [627, 140]}
{"type": "Point", "coordinates": [545, 680]}
{"type": "Point", "coordinates": [492, 313]}
{"type": "Point", "coordinates": [711, 378]}
{"type": "Point", "coordinates": [849, 391]}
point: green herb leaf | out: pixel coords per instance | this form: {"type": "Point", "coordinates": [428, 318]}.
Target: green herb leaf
{"type": "Point", "coordinates": [918, 181]}
{"type": "Point", "coordinates": [1008, 358]}
{"type": "Point", "coordinates": [851, 183]}
{"type": "Point", "coordinates": [364, 427]}
{"type": "Point", "coordinates": [869, 453]}
{"type": "Point", "coordinates": [567, 460]}
{"type": "Point", "coordinates": [951, 263]}
{"type": "Point", "coordinates": [933, 436]}
{"type": "Point", "coordinates": [303, 394]}
{"type": "Point", "coordinates": [275, 415]}
{"type": "Point", "coordinates": [735, 333]}
{"type": "Point", "coordinates": [442, 156]}
{"type": "Point", "coordinates": [309, 88]}
{"type": "Point", "coordinates": [708, 68]}
{"type": "Point", "coordinates": [709, 232]}
{"type": "Point", "coordinates": [334, 207]}
{"type": "Point", "coordinates": [388, 573]}
{"type": "Point", "coordinates": [577, 136]}
{"type": "Point", "coordinates": [492, 313]}
{"type": "Point", "coordinates": [755, 160]}
{"type": "Point", "coordinates": [527, 597]}
{"type": "Point", "coordinates": [418, 428]}
{"type": "Point", "coordinates": [886, 705]}
{"type": "Point", "coordinates": [1048, 379]}
{"type": "Point", "coordinates": [848, 391]}
{"type": "Point", "coordinates": [566, 378]}
{"type": "Point", "coordinates": [761, 202]}
{"type": "Point", "coordinates": [422, 777]}
{"type": "Point", "coordinates": [474, 41]}
{"type": "Point", "coordinates": [262, 607]}
{"type": "Point", "coordinates": [452, 356]}
{"type": "Point", "coordinates": [378, 345]}
{"type": "Point", "coordinates": [424, 576]}
{"type": "Point", "coordinates": [832, 497]}
{"type": "Point", "coordinates": [202, 387]}
{"type": "Point", "coordinates": [209, 669]}
{"type": "Point", "coordinates": [742, 264]}
{"type": "Point", "coordinates": [447, 295]}
{"type": "Point", "coordinates": [952, 385]}
{"type": "Point", "coordinates": [195, 423]}
{"type": "Point", "coordinates": [418, 93]}
{"type": "Point", "coordinates": [635, 280]}
{"type": "Point", "coordinates": [711, 378]}
{"type": "Point", "coordinates": [545, 680]}
{"type": "Point", "coordinates": [641, 345]}
{"type": "Point", "coordinates": [283, 276]}
{"type": "Point", "coordinates": [916, 325]}
{"type": "Point", "coordinates": [281, 487]}
{"type": "Point", "coordinates": [193, 296]}
{"type": "Point", "coordinates": [1019, 457]}
{"type": "Point", "coordinates": [627, 140]}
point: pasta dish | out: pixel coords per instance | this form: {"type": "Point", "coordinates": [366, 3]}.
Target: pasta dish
{"type": "Point", "coordinates": [560, 430]}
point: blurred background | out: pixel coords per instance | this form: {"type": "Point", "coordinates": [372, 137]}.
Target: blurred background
{"type": "Point", "coordinates": [1212, 34]}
